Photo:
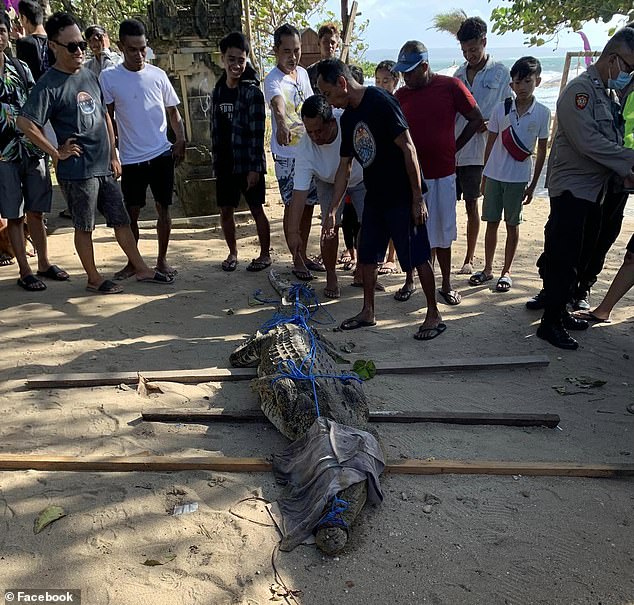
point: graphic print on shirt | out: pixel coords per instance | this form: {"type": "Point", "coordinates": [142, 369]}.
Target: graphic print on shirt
{"type": "Point", "coordinates": [364, 144]}
{"type": "Point", "coordinates": [227, 110]}
{"type": "Point", "coordinates": [86, 103]}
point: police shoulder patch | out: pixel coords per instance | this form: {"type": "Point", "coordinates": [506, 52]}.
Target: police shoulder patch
{"type": "Point", "coordinates": [581, 100]}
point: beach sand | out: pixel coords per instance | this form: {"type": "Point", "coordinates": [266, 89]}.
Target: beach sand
{"type": "Point", "coordinates": [483, 539]}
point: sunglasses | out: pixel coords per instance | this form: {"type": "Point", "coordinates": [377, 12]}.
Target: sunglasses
{"type": "Point", "coordinates": [73, 47]}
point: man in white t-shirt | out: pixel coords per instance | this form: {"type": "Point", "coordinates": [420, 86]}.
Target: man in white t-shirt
{"type": "Point", "coordinates": [318, 159]}
{"type": "Point", "coordinates": [489, 83]}
{"type": "Point", "coordinates": [285, 88]}
{"type": "Point", "coordinates": [141, 98]}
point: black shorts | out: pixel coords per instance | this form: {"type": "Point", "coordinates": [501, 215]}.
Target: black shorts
{"type": "Point", "coordinates": [158, 173]}
{"type": "Point", "coordinates": [468, 179]}
{"type": "Point", "coordinates": [381, 223]}
{"type": "Point", "coordinates": [229, 187]}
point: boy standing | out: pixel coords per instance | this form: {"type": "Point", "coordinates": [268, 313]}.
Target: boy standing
{"type": "Point", "coordinates": [488, 81]}
{"type": "Point", "coordinates": [514, 128]}
{"type": "Point", "coordinates": [237, 120]}
{"type": "Point", "coordinates": [140, 97]}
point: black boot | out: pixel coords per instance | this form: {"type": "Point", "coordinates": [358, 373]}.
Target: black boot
{"type": "Point", "coordinates": [556, 335]}
{"type": "Point", "coordinates": [581, 301]}
{"type": "Point", "coordinates": [537, 302]}
{"type": "Point", "coordinates": [570, 322]}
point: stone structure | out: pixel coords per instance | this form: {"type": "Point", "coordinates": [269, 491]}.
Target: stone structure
{"type": "Point", "coordinates": [184, 35]}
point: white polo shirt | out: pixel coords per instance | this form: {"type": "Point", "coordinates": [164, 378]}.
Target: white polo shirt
{"type": "Point", "coordinates": [491, 85]}
{"type": "Point", "coordinates": [529, 127]}
{"type": "Point", "coordinates": [322, 161]}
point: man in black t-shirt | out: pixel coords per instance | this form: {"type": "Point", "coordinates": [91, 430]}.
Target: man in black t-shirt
{"type": "Point", "coordinates": [375, 132]}
{"type": "Point", "coordinates": [33, 47]}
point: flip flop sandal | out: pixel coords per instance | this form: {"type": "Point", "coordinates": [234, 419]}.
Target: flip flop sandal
{"type": "Point", "coordinates": [258, 265]}
{"type": "Point", "coordinates": [312, 265]}
{"type": "Point", "coordinates": [303, 275]}
{"type": "Point", "coordinates": [6, 260]}
{"type": "Point", "coordinates": [354, 323]}
{"type": "Point", "coordinates": [477, 279]}
{"type": "Point", "coordinates": [403, 294]}
{"type": "Point", "coordinates": [54, 272]}
{"type": "Point", "coordinates": [452, 297]}
{"type": "Point", "coordinates": [31, 283]}
{"type": "Point", "coordinates": [430, 333]}
{"type": "Point", "coordinates": [106, 287]}
{"type": "Point", "coordinates": [332, 293]}
{"type": "Point", "coordinates": [504, 284]}
{"type": "Point", "coordinates": [158, 278]}
{"type": "Point", "coordinates": [229, 265]}
{"type": "Point", "coordinates": [591, 317]}
{"type": "Point", "coordinates": [387, 269]}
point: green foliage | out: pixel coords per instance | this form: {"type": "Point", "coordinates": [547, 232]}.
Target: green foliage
{"type": "Point", "coordinates": [543, 20]}
{"type": "Point", "coordinates": [449, 22]}
{"type": "Point", "coordinates": [364, 369]}
{"type": "Point", "coordinates": [368, 68]}
{"type": "Point", "coordinates": [108, 13]}
{"type": "Point", "coordinates": [358, 47]}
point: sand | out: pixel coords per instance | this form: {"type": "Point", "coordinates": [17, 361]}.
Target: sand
{"type": "Point", "coordinates": [489, 540]}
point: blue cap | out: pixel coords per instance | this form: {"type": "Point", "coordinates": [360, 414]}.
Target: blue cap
{"type": "Point", "coordinates": [410, 60]}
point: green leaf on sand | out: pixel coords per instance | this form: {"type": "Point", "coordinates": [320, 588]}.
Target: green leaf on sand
{"type": "Point", "coordinates": [365, 369]}
{"type": "Point", "coordinates": [47, 516]}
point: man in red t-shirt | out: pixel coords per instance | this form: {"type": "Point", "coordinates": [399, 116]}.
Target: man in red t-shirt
{"type": "Point", "coordinates": [430, 103]}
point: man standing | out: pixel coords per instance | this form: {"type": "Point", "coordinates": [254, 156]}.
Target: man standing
{"type": "Point", "coordinates": [329, 39]}
{"type": "Point", "coordinates": [489, 83]}
{"type": "Point", "coordinates": [374, 131]}
{"type": "Point", "coordinates": [586, 152]}
{"type": "Point", "coordinates": [430, 104]}
{"type": "Point", "coordinates": [25, 184]}
{"type": "Point", "coordinates": [87, 163]}
{"type": "Point", "coordinates": [318, 159]}
{"type": "Point", "coordinates": [285, 88]}
{"type": "Point", "coordinates": [33, 47]}
{"type": "Point", "coordinates": [140, 98]}
{"type": "Point", "coordinates": [99, 44]}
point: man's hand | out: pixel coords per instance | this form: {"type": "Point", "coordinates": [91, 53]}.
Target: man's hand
{"type": "Point", "coordinates": [69, 148]}
{"type": "Point", "coordinates": [178, 151]}
{"type": "Point", "coordinates": [328, 228]}
{"type": "Point", "coordinates": [483, 185]}
{"type": "Point", "coordinates": [252, 179]}
{"type": "Point", "coordinates": [528, 195]}
{"type": "Point", "coordinates": [115, 164]}
{"type": "Point", "coordinates": [419, 211]}
{"type": "Point", "coordinates": [283, 134]}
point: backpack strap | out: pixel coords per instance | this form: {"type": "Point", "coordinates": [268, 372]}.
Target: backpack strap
{"type": "Point", "coordinates": [508, 102]}
{"type": "Point", "coordinates": [20, 69]}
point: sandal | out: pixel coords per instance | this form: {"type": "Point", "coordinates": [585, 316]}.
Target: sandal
{"type": "Point", "coordinates": [257, 264]}
{"type": "Point", "coordinates": [477, 279]}
{"type": "Point", "coordinates": [387, 268]}
{"type": "Point", "coordinates": [54, 272]}
{"type": "Point", "coordinates": [430, 333]}
{"type": "Point", "coordinates": [451, 298]}
{"type": "Point", "coordinates": [229, 265]}
{"type": "Point", "coordinates": [404, 293]}
{"type": "Point", "coordinates": [505, 283]}
{"type": "Point", "coordinates": [31, 283]}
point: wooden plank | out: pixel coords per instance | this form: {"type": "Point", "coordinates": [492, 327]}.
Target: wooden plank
{"type": "Point", "coordinates": [123, 464]}
{"type": "Point", "coordinates": [51, 381]}
{"type": "Point", "coordinates": [470, 418]}
{"type": "Point", "coordinates": [347, 34]}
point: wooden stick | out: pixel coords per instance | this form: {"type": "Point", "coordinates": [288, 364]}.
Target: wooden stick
{"type": "Point", "coordinates": [123, 464]}
{"type": "Point", "coordinates": [347, 34]}
{"type": "Point", "coordinates": [401, 417]}
{"type": "Point", "coordinates": [51, 381]}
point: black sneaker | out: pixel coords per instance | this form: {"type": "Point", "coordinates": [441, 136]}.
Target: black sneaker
{"type": "Point", "coordinates": [581, 302]}
{"type": "Point", "coordinates": [556, 335]}
{"type": "Point", "coordinates": [537, 302]}
{"type": "Point", "coordinates": [571, 322]}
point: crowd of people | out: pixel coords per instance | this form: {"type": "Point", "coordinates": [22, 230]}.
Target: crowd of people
{"type": "Point", "coordinates": [386, 163]}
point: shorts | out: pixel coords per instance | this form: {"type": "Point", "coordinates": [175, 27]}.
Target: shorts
{"type": "Point", "coordinates": [500, 196]}
{"type": "Point", "coordinates": [101, 193]}
{"type": "Point", "coordinates": [229, 188]}
{"type": "Point", "coordinates": [468, 180]}
{"type": "Point", "coordinates": [25, 186]}
{"type": "Point", "coordinates": [284, 172]}
{"type": "Point", "coordinates": [158, 173]}
{"type": "Point", "coordinates": [441, 204]}
{"type": "Point", "coordinates": [382, 222]}
{"type": "Point", "coordinates": [324, 192]}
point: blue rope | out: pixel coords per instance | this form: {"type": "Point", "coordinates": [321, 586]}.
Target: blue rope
{"type": "Point", "coordinates": [302, 314]}
{"type": "Point", "coordinates": [333, 516]}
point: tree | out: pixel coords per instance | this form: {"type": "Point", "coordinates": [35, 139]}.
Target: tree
{"type": "Point", "coordinates": [449, 22]}
{"type": "Point", "coordinates": [547, 18]}
{"type": "Point", "coordinates": [108, 13]}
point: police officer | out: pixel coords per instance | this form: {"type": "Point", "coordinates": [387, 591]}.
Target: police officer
{"type": "Point", "coordinates": [587, 151]}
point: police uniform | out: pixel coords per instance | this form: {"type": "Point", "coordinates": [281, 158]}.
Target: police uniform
{"type": "Point", "coordinates": [587, 151]}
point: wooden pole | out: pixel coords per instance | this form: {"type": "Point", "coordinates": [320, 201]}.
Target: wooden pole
{"type": "Point", "coordinates": [51, 381]}
{"type": "Point", "coordinates": [124, 464]}
{"type": "Point", "coordinates": [347, 34]}
{"type": "Point", "coordinates": [247, 26]}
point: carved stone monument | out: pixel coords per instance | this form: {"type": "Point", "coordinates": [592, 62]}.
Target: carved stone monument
{"type": "Point", "coordinates": [184, 35]}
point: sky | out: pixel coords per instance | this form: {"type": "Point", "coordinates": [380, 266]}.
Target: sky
{"type": "Point", "coordinates": [393, 22]}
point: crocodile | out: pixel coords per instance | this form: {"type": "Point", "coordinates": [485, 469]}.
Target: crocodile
{"type": "Point", "coordinates": [290, 406]}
